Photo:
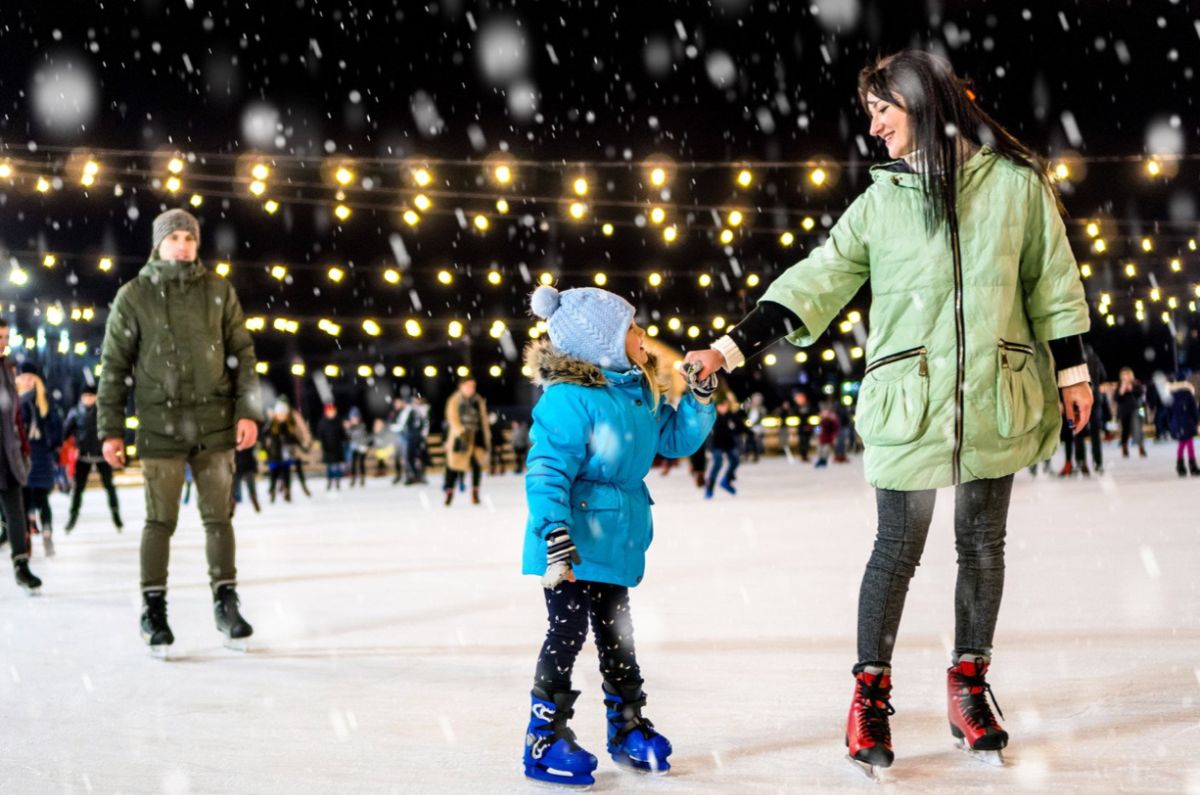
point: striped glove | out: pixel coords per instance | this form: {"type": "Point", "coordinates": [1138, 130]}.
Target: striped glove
{"type": "Point", "coordinates": [702, 389]}
{"type": "Point", "coordinates": [560, 554]}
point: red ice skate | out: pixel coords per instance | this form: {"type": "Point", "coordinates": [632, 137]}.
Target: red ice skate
{"type": "Point", "coordinates": [971, 718]}
{"type": "Point", "coordinates": [868, 733]}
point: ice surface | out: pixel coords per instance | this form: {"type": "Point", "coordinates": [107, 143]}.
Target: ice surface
{"type": "Point", "coordinates": [395, 642]}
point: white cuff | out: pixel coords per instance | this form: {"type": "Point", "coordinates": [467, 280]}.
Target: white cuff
{"type": "Point", "coordinates": [1073, 375]}
{"type": "Point", "coordinates": [729, 349]}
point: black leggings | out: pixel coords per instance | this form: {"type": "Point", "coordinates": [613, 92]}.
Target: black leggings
{"type": "Point", "coordinates": [82, 470]}
{"type": "Point", "coordinates": [980, 520]}
{"type": "Point", "coordinates": [38, 501]}
{"type": "Point", "coordinates": [358, 467]}
{"type": "Point", "coordinates": [568, 608]}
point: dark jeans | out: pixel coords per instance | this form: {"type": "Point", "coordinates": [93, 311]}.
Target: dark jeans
{"type": "Point", "coordinates": [980, 516]}
{"type": "Point", "coordinates": [414, 459]}
{"type": "Point", "coordinates": [452, 476]}
{"type": "Point", "coordinates": [1095, 432]}
{"type": "Point", "coordinates": [82, 470]}
{"type": "Point", "coordinates": [718, 460]}
{"type": "Point", "coordinates": [280, 479]}
{"type": "Point", "coordinates": [358, 467]}
{"type": "Point", "coordinates": [250, 479]}
{"type": "Point", "coordinates": [12, 512]}
{"type": "Point", "coordinates": [568, 608]}
{"type": "Point", "coordinates": [519, 454]}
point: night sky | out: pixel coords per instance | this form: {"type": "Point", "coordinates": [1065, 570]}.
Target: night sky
{"type": "Point", "coordinates": [562, 90]}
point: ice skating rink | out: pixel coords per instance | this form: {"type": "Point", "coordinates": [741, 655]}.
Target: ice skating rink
{"type": "Point", "coordinates": [395, 642]}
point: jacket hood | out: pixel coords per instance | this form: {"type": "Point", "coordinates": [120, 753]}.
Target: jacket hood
{"type": "Point", "coordinates": [172, 270]}
{"type": "Point", "coordinates": [548, 366]}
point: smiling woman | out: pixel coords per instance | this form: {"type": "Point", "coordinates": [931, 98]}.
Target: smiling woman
{"type": "Point", "coordinates": [960, 387]}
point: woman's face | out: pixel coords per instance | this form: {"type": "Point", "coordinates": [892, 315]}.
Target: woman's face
{"type": "Point", "coordinates": [635, 350]}
{"type": "Point", "coordinates": [889, 123]}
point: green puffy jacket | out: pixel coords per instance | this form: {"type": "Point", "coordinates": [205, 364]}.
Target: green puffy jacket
{"type": "Point", "coordinates": [177, 335]}
{"type": "Point", "coordinates": [959, 384]}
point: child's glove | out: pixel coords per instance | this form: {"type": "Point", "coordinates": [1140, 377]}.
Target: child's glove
{"type": "Point", "coordinates": [560, 554]}
{"type": "Point", "coordinates": [702, 389]}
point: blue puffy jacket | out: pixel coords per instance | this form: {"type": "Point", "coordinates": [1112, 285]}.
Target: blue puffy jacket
{"type": "Point", "coordinates": [1184, 414]}
{"type": "Point", "coordinates": [594, 437]}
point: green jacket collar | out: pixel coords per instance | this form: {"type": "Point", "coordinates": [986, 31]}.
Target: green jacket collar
{"type": "Point", "coordinates": [172, 270]}
{"type": "Point", "coordinates": [898, 173]}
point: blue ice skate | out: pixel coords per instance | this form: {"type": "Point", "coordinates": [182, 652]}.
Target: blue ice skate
{"type": "Point", "coordinates": [632, 740]}
{"type": "Point", "coordinates": [551, 753]}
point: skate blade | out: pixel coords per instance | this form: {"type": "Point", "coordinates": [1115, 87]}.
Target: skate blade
{"type": "Point", "coordinates": [32, 591]}
{"type": "Point", "coordinates": [237, 644]}
{"type": "Point", "coordinates": [990, 758]}
{"type": "Point", "coordinates": [654, 767]}
{"type": "Point", "coordinates": [866, 770]}
{"type": "Point", "coordinates": [160, 652]}
{"type": "Point", "coordinates": [549, 778]}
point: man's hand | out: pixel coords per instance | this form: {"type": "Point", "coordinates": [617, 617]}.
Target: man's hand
{"type": "Point", "coordinates": [114, 452]}
{"type": "Point", "coordinates": [709, 359]}
{"type": "Point", "coordinates": [247, 434]}
{"type": "Point", "coordinates": [1077, 405]}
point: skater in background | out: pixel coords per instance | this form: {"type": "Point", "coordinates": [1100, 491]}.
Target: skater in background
{"type": "Point", "coordinates": [331, 433]}
{"type": "Point", "coordinates": [755, 411]}
{"type": "Point", "coordinates": [1131, 398]}
{"type": "Point", "coordinates": [197, 399]}
{"type": "Point", "coordinates": [396, 419]}
{"type": "Point", "coordinates": [1094, 431]}
{"type": "Point", "coordinates": [1183, 417]}
{"type": "Point", "coordinates": [281, 438]}
{"type": "Point", "coordinates": [382, 446]}
{"type": "Point", "coordinates": [245, 474]}
{"type": "Point", "coordinates": [827, 434]}
{"type": "Point", "coordinates": [416, 442]}
{"type": "Point", "coordinates": [44, 432]}
{"type": "Point", "coordinates": [14, 468]}
{"type": "Point", "coordinates": [518, 437]}
{"type": "Point", "coordinates": [469, 440]}
{"type": "Point", "coordinates": [723, 444]}
{"type": "Point", "coordinates": [496, 427]}
{"type": "Point", "coordinates": [973, 285]}
{"type": "Point", "coordinates": [802, 409]}
{"type": "Point", "coordinates": [360, 446]}
{"type": "Point", "coordinates": [300, 450]}
{"type": "Point", "coordinates": [81, 426]}
{"type": "Point", "coordinates": [589, 517]}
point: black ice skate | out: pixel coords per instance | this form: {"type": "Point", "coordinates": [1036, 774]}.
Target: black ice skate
{"type": "Point", "coordinates": [155, 631]}
{"type": "Point", "coordinates": [25, 578]}
{"type": "Point", "coordinates": [229, 621]}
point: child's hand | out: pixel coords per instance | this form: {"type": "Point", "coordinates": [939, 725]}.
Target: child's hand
{"type": "Point", "coordinates": [702, 388]}
{"type": "Point", "coordinates": [557, 573]}
{"type": "Point", "coordinates": [560, 554]}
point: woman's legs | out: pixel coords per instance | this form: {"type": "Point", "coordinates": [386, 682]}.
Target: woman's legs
{"type": "Point", "coordinates": [904, 518]}
{"type": "Point", "coordinates": [980, 522]}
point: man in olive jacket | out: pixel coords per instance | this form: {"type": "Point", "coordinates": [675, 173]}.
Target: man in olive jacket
{"type": "Point", "coordinates": [177, 335]}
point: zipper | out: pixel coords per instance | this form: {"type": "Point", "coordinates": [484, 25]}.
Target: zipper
{"type": "Point", "coordinates": [923, 368]}
{"type": "Point", "coordinates": [1006, 346]}
{"type": "Point", "coordinates": [959, 348]}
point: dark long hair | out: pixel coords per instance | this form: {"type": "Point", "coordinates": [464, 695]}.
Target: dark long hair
{"type": "Point", "coordinates": [941, 109]}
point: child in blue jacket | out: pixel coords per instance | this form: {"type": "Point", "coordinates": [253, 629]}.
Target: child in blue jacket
{"type": "Point", "coordinates": [596, 430]}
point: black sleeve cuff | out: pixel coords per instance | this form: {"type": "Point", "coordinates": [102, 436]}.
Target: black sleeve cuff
{"type": "Point", "coordinates": [1068, 352]}
{"type": "Point", "coordinates": [768, 323]}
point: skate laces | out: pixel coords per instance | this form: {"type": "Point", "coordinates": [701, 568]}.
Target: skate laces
{"type": "Point", "coordinates": [973, 695]}
{"type": "Point", "coordinates": [873, 720]}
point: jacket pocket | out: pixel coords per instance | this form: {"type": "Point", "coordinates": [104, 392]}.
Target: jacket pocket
{"type": "Point", "coordinates": [1020, 403]}
{"type": "Point", "coordinates": [894, 397]}
{"type": "Point", "coordinates": [596, 526]}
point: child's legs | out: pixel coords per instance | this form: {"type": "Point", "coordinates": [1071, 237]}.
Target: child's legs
{"type": "Point", "coordinates": [612, 624]}
{"type": "Point", "coordinates": [567, 608]}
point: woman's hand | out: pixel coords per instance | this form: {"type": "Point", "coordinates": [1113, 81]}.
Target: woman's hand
{"type": "Point", "coordinates": [1077, 405]}
{"type": "Point", "coordinates": [709, 359]}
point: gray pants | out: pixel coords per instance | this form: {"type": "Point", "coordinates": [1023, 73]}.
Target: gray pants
{"type": "Point", "coordinates": [213, 474]}
{"type": "Point", "coordinates": [980, 516]}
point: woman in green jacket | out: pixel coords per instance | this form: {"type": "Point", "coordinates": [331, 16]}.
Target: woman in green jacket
{"type": "Point", "coordinates": [977, 312]}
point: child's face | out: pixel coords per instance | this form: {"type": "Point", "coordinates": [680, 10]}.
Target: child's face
{"type": "Point", "coordinates": [634, 349]}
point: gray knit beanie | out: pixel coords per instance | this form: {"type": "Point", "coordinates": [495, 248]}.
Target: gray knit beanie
{"type": "Point", "coordinates": [172, 220]}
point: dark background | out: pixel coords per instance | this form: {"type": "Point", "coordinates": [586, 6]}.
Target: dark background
{"type": "Point", "coordinates": [616, 83]}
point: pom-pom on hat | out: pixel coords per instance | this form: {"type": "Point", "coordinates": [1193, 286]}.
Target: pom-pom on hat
{"type": "Point", "coordinates": [586, 322]}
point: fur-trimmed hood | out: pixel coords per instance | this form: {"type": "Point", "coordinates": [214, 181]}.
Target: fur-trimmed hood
{"type": "Point", "coordinates": [548, 366]}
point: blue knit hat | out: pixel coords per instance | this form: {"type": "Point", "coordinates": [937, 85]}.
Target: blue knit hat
{"type": "Point", "coordinates": [586, 322]}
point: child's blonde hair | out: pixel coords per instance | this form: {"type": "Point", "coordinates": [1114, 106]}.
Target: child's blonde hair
{"type": "Point", "coordinates": [658, 387]}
